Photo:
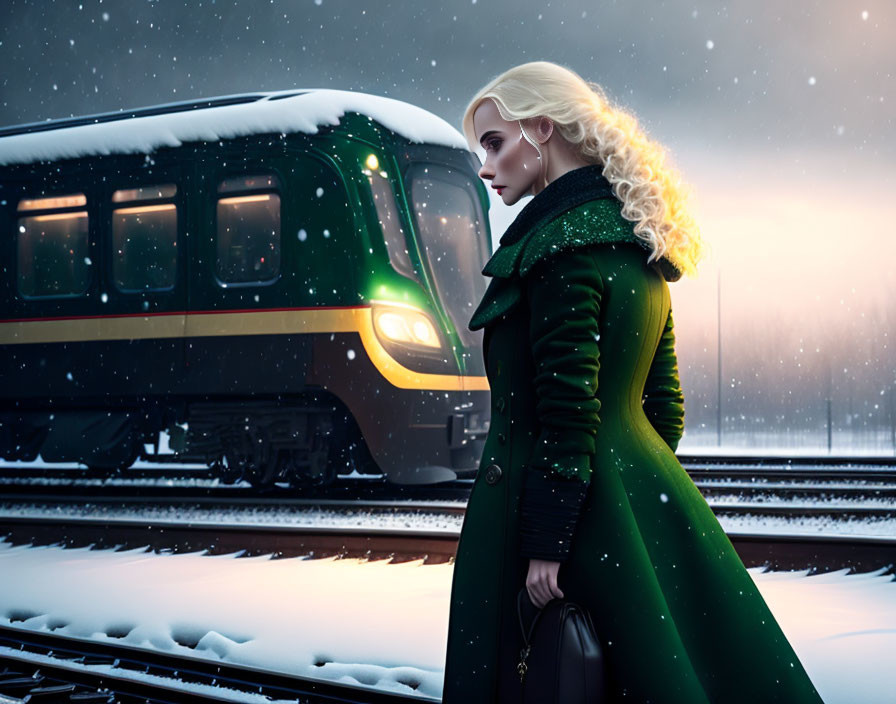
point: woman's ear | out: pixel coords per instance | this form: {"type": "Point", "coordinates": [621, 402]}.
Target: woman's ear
{"type": "Point", "coordinates": [544, 128]}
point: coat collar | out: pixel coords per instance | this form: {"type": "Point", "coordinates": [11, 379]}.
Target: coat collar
{"type": "Point", "coordinates": [596, 217]}
{"type": "Point", "coordinates": [563, 193]}
{"type": "Point", "coordinates": [574, 210]}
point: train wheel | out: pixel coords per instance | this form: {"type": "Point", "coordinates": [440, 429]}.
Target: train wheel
{"type": "Point", "coordinates": [227, 472]}
{"type": "Point", "coordinates": [121, 458]}
{"type": "Point", "coordinates": [315, 467]}
{"type": "Point", "coordinates": [294, 470]}
{"type": "Point", "coordinates": [24, 441]}
{"type": "Point", "coordinates": [261, 474]}
{"type": "Point", "coordinates": [322, 468]}
{"type": "Point", "coordinates": [240, 458]}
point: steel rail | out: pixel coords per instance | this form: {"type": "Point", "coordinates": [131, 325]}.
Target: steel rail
{"type": "Point", "coordinates": [742, 465]}
{"type": "Point", "coordinates": [136, 504]}
{"type": "Point", "coordinates": [161, 677]}
{"type": "Point", "coordinates": [452, 502]}
{"type": "Point", "coordinates": [777, 550]}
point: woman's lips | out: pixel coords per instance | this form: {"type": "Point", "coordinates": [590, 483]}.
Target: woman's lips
{"type": "Point", "coordinates": [499, 188]}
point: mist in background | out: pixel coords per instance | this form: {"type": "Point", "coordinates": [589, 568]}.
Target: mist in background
{"type": "Point", "coordinates": [780, 116]}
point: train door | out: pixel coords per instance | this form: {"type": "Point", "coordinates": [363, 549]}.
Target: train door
{"type": "Point", "coordinates": [270, 264]}
{"type": "Point", "coordinates": [265, 278]}
{"type": "Point", "coordinates": [236, 297]}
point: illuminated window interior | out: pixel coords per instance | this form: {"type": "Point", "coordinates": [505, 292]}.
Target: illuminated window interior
{"type": "Point", "coordinates": [144, 238]}
{"type": "Point", "coordinates": [52, 246]}
{"type": "Point", "coordinates": [263, 182]}
{"type": "Point", "coordinates": [127, 195]}
{"type": "Point", "coordinates": [76, 200]}
{"type": "Point", "coordinates": [248, 231]}
{"type": "Point", "coordinates": [390, 225]}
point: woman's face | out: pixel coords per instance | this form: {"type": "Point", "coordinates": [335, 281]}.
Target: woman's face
{"type": "Point", "coordinates": [511, 163]}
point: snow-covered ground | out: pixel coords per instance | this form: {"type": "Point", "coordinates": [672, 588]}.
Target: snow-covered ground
{"type": "Point", "coordinates": [379, 624]}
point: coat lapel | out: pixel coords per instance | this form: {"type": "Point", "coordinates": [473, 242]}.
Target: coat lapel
{"type": "Point", "coordinates": [501, 295]}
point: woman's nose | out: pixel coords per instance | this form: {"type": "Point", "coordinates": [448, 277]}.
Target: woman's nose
{"type": "Point", "coordinates": [486, 172]}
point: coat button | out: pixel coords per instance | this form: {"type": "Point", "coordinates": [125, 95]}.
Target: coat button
{"type": "Point", "coordinates": [493, 474]}
{"type": "Point", "coordinates": [500, 404]}
{"type": "Point", "coordinates": [502, 438]}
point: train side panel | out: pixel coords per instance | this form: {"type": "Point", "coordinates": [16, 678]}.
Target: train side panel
{"type": "Point", "coordinates": [243, 290]}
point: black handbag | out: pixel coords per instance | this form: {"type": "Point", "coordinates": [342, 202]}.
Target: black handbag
{"type": "Point", "coordinates": [561, 661]}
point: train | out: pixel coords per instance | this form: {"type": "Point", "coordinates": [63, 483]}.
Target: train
{"type": "Point", "coordinates": [275, 285]}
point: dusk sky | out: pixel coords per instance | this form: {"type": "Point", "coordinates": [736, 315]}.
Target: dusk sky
{"type": "Point", "coordinates": [780, 115]}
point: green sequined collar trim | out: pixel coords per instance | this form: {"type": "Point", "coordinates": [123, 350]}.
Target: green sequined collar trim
{"type": "Point", "coordinates": [592, 222]}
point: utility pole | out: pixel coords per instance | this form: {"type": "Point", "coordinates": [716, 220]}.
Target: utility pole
{"type": "Point", "coordinates": [892, 403]}
{"type": "Point", "coordinates": [719, 356]}
{"type": "Point", "coordinates": [829, 413]}
{"type": "Point", "coordinates": [829, 425]}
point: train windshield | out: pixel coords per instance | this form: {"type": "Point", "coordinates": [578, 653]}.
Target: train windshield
{"type": "Point", "coordinates": [452, 230]}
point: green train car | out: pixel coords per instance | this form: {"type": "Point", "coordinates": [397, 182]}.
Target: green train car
{"type": "Point", "coordinates": [281, 282]}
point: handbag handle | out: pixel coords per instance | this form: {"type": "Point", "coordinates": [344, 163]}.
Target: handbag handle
{"type": "Point", "coordinates": [527, 636]}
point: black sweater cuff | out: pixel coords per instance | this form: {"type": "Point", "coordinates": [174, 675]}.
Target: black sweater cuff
{"type": "Point", "coordinates": [549, 512]}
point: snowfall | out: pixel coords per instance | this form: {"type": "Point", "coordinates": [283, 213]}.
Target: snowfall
{"type": "Point", "coordinates": [369, 623]}
{"type": "Point", "coordinates": [376, 623]}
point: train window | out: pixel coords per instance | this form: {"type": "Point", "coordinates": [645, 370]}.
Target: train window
{"type": "Point", "coordinates": [126, 195]}
{"type": "Point", "coordinates": [53, 203]}
{"type": "Point", "coordinates": [248, 242]}
{"type": "Point", "coordinates": [144, 238]}
{"type": "Point", "coordinates": [52, 246]}
{"type": "Point", "coordinates": [249, 183]}
{"type": "Point", "coordinates": [451, 226]}
{"type": "Point", "coordinates": [393, 233]}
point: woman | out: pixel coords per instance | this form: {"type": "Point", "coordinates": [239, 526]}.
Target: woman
{"type": "Point", "coordinates": [579, 493]}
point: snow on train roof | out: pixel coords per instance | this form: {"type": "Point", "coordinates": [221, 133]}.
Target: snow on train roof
{"type": "Point", "coordinates": [277, 112]}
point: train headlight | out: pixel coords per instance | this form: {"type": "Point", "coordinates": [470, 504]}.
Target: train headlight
{"type": "Point", "coordinates": [404, 324]}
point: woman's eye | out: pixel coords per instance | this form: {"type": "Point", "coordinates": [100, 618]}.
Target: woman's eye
{"type": "Point", "coordinates": [494, 144]}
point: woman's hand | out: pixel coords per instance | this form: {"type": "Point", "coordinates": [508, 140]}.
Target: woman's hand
{"type": "Point", "coordinates": [541, 582]}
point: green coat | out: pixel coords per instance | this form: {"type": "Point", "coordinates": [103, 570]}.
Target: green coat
{"type": "Point", "coordinates": [578, 330]}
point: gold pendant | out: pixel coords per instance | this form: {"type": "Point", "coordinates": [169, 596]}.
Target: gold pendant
{"type": "Point", "coordinates": [521, 668]}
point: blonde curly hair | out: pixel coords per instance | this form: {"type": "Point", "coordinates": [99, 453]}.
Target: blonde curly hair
{"type": "Point", "coordinates": [653, 195]}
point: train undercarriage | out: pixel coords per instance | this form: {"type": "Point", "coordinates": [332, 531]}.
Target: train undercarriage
{"type": "Point", "coordinates": [303, 441]}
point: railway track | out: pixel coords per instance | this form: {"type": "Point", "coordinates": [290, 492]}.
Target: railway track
{"type": "Point", "coordinates": [745, 467]}
{"type": "Point", "coordinates": [370, 517]}
{"type": "Point", "coordinates": [767, 492]}
{"type": "Point", "coordinates": [765, 504]}
{"type": "Point", "coordinates": [822, 552]}
{"type": "Point", "coordinates": [41, 667]}
{"type": "Point", "coordinates": [47, 667]}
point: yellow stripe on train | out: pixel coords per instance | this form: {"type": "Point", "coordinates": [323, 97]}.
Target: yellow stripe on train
{"type": "Point", "coordinates": [280, 322]}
